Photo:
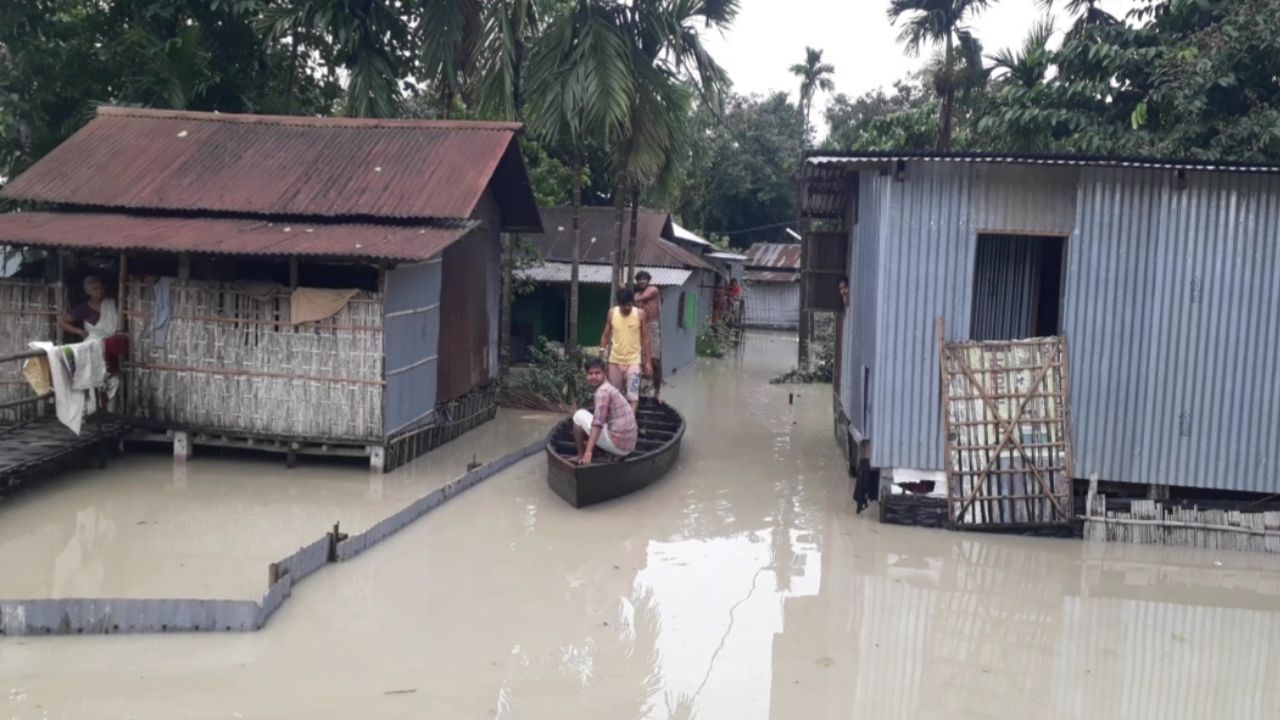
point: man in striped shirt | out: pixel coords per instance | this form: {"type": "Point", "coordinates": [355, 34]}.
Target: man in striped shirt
{"type": "Point", "coordinates": [612, 427]}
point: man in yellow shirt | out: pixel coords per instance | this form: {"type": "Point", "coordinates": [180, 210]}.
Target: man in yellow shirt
{"type": "Point", "coordinates": [626, 345]}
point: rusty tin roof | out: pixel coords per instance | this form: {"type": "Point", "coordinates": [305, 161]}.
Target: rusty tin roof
{"type": "Point", "coordinates": [599, 234]}
{"type": "Point", "coordinates": [188, 162]}
{"type": "Point", "coordinates": [228, 236]}
{"type": "Point", "coordinates": [774, 256]}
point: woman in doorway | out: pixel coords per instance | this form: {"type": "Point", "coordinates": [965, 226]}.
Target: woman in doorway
{"type": "Point", "coordinates": [95, 318]}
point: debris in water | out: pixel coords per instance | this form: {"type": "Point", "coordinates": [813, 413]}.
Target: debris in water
{"type": "Point", "coordinates": [401, 692]}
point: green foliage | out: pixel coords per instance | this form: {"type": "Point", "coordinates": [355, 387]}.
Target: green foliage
{"type": "Point", "coordinates": [739, 172]}
{"type": "Point", "coordinates": [815, 77]}
{"type": "Point", "coordinates": [715, 340]}
{"type": "Point", "coordinates": [822, 355]}
{"type": "Point", "coordinates": [554, 380]}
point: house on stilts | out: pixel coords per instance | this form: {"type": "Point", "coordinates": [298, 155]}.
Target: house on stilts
{"type": "Point", "coordinates": [303, 285]}
{"type": "Point", "coordinates": [686, 279]}
{"type": "Point", "coordinates": [1034, 339]}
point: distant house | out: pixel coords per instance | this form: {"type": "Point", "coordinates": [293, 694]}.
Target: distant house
{"type": "Point", "coordinates": [686, 279]}
{"type": "Point", "coordinates": [290, 284]}
{"type": "Point", "coordinates": [772, 293]}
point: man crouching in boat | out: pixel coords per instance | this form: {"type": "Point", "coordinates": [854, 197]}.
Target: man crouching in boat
{"type": "Point", "coordinates": [612, 427]}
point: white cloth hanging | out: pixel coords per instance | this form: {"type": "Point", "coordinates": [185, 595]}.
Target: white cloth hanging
{"type": "Point", "coordinates": [108, 321]}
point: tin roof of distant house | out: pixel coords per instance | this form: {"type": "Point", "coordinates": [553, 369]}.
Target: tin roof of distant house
{"type": "Point", "coordinates": [827, 157]}
{"type": "Point", "coordinates": [206, 163]}
{"type": "Point", "coordinates": [599, 232]}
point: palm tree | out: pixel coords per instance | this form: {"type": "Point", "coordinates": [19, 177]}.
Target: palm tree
{"type": "Point", "coordinates": [368, 38]}
{"type": "Point", "coordinates": [451, 34]}
{"type": "Point", "coordinates": [815, 76]}
{"type": "Point", "coordinates": [581, 86]}
{"type": "Point", "coordinates": [510, 28]}
{"type": "Point", "coordinates": [1029, 65]}
{"type": "Point", "coordinates": [930, 22]}
{"type": "Point", "coordinates": [668, 57]}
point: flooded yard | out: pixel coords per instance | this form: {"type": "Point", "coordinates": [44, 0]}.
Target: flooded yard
{"type": "Point", "coordinates": [740, 586]}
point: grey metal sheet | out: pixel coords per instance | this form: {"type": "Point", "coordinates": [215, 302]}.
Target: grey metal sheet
{"type": "Point", "coordinates": [307, 560]}
{"type": "Point", "coordinates": [412, 337]}
{"type": "Point", "coordinates": [89, 616]}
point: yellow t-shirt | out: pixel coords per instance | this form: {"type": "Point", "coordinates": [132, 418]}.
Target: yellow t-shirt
{"type": "Point", "coordinates": [625, 348]}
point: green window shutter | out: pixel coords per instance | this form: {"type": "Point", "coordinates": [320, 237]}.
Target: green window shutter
{"type": "Point", "coordinates": [688, 310]}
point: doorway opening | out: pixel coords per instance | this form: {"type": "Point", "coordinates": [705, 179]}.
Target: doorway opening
{"type": "Point", "coordinates": [1017, 286]}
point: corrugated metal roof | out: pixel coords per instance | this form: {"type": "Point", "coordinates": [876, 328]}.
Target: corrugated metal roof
{"type": "Point", "coordinates": [557, 272]}
{"type": "Point", "coordinates": [774, 255]}
{"type": "Point", "coordinates": [818, 158]}
{"type": "Point", "coordinates": [227, 236]}
{"type": "Point", "coordinates": [599, 234]}
{"type": "Point", "coordinates": [689, 236]}
{"type": "Point", "coordinates": [734, 257]}
{"type": "Point", "coordinates": [283, 166]}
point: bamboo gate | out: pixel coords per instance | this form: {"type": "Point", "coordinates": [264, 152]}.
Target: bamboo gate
{"type": "Point", "coordinates": [1007, 429]}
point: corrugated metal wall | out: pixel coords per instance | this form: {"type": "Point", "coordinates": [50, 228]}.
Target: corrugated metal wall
{"type": "Point", "coordinates": [679, 345]}
{"type": "Point", "coordinates": [1004, 283]}
{"type": "Point", "coordinates": [860, 317]}
{"type": "Point", "coordinates": [1175, 334]}
{"type": "Point", "coordinates": [412, 335]}
{"type": "Point", "coordinates": [771, 305]}
{"type": "Point", "coordinates": [469, 297]}
{"type": "Point", "coordinates": [1169, 310]}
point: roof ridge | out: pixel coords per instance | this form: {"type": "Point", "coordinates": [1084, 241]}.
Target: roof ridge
{"type": "Point", "coordinates": [306, 120]}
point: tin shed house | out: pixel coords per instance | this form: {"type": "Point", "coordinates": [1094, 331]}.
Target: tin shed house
{"type": "Point", "coordinates": [687, 281]}
{"type": "Point", "coordinates": [772, 276]}
{"type": "Point", "coordinates": [1162, 276]}
{"type": "Point", "coordinates": [293, 284]}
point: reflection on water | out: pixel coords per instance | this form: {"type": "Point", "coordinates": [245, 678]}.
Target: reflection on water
{"type": "Point", "coordinates": [741, 586]}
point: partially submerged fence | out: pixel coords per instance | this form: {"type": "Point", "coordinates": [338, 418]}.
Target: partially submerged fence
{"type": "Point", "coordinates": [74, 616]}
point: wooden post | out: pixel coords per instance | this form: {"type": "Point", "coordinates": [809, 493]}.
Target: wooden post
{"type": "Point", "coordinates": [184, 268]}
{"type": "Point", "coordinates": [181, 446]}
{"type": "Point", "coordinates": [293, 273]}
{"type": "Point", "coordinates": [509, 243]}
{"type": "Point", "coordinates": [121, 293]}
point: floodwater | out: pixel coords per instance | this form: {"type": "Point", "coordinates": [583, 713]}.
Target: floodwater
{"type": "Point", "coordinates": [741, 586]}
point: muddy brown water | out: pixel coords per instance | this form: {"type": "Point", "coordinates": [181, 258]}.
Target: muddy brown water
{"type": "Point", "coordinates": [741, 586]}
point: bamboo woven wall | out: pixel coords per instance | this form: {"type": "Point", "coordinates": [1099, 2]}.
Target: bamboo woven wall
{"type": "Point", "coordinates": [232, 363]}
{"type": "Point", "coordinates": [27, 312]}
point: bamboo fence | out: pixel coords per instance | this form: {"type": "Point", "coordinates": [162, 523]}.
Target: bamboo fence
{"type": "Point", "coordinates": [1152, 522]}
{"type": "Point", "coordinates": [1005, 416]}
{"type": "Point", "coordinates": [27, 312]}
{"type": "Point", "coordinates": [233, 364]}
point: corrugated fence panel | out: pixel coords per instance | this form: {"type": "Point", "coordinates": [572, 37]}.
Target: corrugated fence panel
{"type": "Point", "coordinates": [772, 305]}
{"type": "Point", "coordinates": [926, 271]}
{"type": "Point", "coordinates": [412, 327]}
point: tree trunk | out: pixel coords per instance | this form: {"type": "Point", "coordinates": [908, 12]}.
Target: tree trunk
{"type": "Point", "coordinates": [635, 230]}
{"type": "Point", "coordinates": [509, 242]}
{"type": "Point", "coordinates": [948, 97]}
{"type": "Point", "coordinates": [619, 240]}
{"type": "Point", "coordinates": [293, 73]}
{"type": "Point", "coordinates": [572, 336]}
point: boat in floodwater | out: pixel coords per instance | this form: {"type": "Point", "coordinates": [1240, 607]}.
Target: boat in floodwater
{"type": "Point", "coordinates": [607, 477]}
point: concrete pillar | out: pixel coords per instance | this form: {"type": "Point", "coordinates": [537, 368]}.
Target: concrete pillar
{"type": "Point", "coordinates": [181, 446]}
{"type": "Point", "coordinates": [377, 458]}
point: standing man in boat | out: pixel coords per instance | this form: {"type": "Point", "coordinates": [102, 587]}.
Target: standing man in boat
{"type": "Point", "coordinates": [625, 343]}
{"type": "Point", "coordinates": [612, 426]}
{"type": "Point", "coordinates": [649, 300]}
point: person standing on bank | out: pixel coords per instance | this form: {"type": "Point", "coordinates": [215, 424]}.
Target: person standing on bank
{"type": "Point", "coordinates": [96, 317]}
{"type": "Point", "coordinates": [649, 300]}
{"type": "Point", "coordinates": [625, 343]}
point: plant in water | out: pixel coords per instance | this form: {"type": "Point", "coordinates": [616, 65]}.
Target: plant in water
{"type": "Point", "coordinates": [553, 381]}
{"type": "Point", "coordinates": [715, 340]}
{"type": "Point", "coordinates": [822, 355]}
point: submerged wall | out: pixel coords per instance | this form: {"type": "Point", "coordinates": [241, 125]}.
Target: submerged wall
{"type": "Point", "coordinates": [771, 305]}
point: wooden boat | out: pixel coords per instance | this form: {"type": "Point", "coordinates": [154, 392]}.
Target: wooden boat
{"type": "Point", "coordinates": [657, 448]}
